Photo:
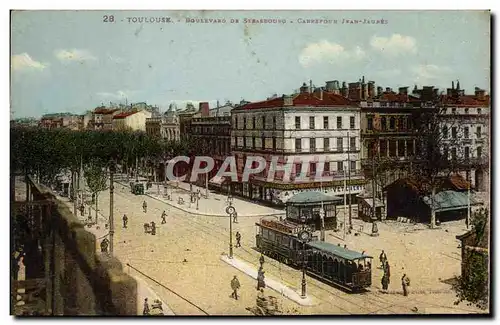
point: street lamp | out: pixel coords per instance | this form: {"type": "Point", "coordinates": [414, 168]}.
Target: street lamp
{"type": "Point", "coordinates": [198, 197]}
{"type": "Point", "coordinates": [230, 210]}
{"type": "Point", "coordinates": [304, 236]}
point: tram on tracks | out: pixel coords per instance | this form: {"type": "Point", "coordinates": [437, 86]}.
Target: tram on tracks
{"type": "Point", "coordinates": [329, 263]}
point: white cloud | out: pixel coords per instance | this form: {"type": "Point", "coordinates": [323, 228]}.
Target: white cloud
{"type": "Point", "coordinates": [324, 51]}
{"type": "Point", "coordinates": [395, 45]}
{"type": "Point", "coordinates": [24, 61]}
{"type": "Point", "coordinates": [425, 73]}
{"type": "Point", "coordinates": [74, 55]}
{"type": "Point", "coordinates": [116, 59]}
{"type": "Point", "coordinates": [120, 94]}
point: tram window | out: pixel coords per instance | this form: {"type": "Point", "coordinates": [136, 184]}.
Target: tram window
{"type": "Point", "coordinates": [265, 233]}
{"type": "Point", "coordinates": [286, 241]}
{"type": "Point", "coordinates": [272, 236]}
{"type": "Point", "coordinates": [278, 239]}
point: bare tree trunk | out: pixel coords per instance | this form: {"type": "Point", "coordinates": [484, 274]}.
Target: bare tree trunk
{"type": "Point", "coordinates": [433, 210]}
{"type": "Point", "coordinates": [96, 206]}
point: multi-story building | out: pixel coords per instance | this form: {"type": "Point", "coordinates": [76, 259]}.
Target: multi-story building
{"type": "Point", "coordinates": [313, 126]}
{"type": "Point", "coordinates": [212, 132]}
{"type": "Point", "coordinates": [165, 126]}
{"type": "Point", "coordinates": [185, 117]}
{"type": "Point", "coordinates": [465, 133]}
{"type": "Point", "coordinates": [102, 118]}
{"type": "Point", "coordinates": [60, 120]}
{"type": "Point", "coordinates": [131, 121]}
{"type": "Point", "coordinates": [388, 135]}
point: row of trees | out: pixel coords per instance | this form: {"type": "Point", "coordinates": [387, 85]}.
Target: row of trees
{"type": "Point", "coordinates": [46, 153]}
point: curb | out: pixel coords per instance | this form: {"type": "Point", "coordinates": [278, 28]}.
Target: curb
{"type": "Point", "coordinates": [272, 284]}
{"type": "Point", "coordinates": [208, 214]}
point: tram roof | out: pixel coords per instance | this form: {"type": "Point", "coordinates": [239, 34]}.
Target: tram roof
{"type": "Point", "coordinates": [311, 197]}
{"type": "Point", "coordinates": [338, 250]}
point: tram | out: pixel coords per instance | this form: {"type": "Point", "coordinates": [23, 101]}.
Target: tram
{"type": "Point", "coordinates": [329, 263]}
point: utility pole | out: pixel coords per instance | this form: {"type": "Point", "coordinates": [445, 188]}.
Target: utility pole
{"type": "Point", "coordinates": [345, 199]}
{"type": "Point", "coordinates": [322, 215]}
{"type": "Point", "coordinates": [373, 188]}
{"type": "Point", "coordinates": [467, 221]}
{"type": "Point", "coordinates": [206, 185]}
{"type": "Point", "coordinates": [111, 205]}
{"type": "Point", "coordinates": [349, 175]}
{"type": "Point", "coordinates": [230, 210]}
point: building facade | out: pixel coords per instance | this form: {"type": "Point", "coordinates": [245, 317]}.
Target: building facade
{"type": "Point", "coordinates": [102, 118]}
{"type": "Point", "coordinates": [465, 132]}
{"type": "Point", "coordinates": [131, 121]}
{"type": "Point", "coordinates": [212, 132]}
{"type": "Point", "coordinates": [165, 126]}
{"type": "Point", "coordinates": [388, 136]}
{"type": "Point", "coordinates": [308, 128]}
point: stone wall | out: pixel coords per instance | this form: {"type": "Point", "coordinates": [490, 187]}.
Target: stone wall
{"type": "Point", "coordinates": [79, 281]}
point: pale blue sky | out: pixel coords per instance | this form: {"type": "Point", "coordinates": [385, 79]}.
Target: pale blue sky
{"type": "Point", "coordinates": [73, 61]}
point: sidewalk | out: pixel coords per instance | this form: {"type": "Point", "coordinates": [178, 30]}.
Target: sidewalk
{"type": "Point", "coordinates": [143, 289]}
{"type": "Point", "coordinates": [270, 283]}
{"type": "Point", "coordinates": [213, 206]}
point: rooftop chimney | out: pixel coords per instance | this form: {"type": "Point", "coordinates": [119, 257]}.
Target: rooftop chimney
{"type": "Point", "coordinates": [371, 89]}
{"type": "Point", "coordinates": [479, 93]}
{"type": "Point", "coordinates": [304, 89]}
{"type": "Point", "coordinates": [380, 90]}
{"type": "Point", "coordinates": [403, 90]}
{"type": "Point", "coordinates": [204, 109]}
{"type": "Point", "coordinates": [310, 86]}
{"type": "Point", "coordinates": [287, 100]}
{"type": "Point", "coordinates": [388, 89]}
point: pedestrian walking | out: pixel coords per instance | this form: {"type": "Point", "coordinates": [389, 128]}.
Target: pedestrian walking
{"type": "Point", "coordinates": [238, 239]}
{"type": "Point", "coordinates": [235, 285]}
{"type": "Point", "coordinates": [261, 280]}
{"type": "Point", "coordinates": [153, 228]}
{"type": "Point", "coordinates": [104, 245]}
{"type": "Point", "coordinates": [145, 311]}
{"type": "Point", "coordinates": [145, 206]}
{"type": "Point", "coordinates": [382, 258]}
{"type": "Point", "coordinates": [385, 282]}
{"type": "Point", "coordinates": [261, 260]}
{"type": "Point", "coordinates": [235, 217]}
{"type": "Point", "coordinates": [405, 282]}
{"type": "Point", "coordinates": [163, 216]}
{"type": "Point", "coordinates": [125, 221]}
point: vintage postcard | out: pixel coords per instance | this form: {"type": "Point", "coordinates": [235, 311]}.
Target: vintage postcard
{"type": "Point", "coordinates": [255, 163]}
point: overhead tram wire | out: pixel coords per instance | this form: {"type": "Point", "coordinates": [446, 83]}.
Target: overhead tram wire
{"type": "Point", "coordinates": [214, 229]}
{"type": "Point", "coordinates": [172, 291]}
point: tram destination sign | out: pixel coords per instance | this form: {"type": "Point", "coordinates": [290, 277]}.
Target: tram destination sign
{"type": "Point", "coordinates": [285, 227]}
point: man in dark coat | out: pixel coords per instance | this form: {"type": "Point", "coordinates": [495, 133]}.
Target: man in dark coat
{"type": "Point", "coordinates": [238, 239]}
{"type": "Point", "coordinates": [125, 221]}
{"type": "Point", "coordinates": [104, 245]}
{"type": "Point", "coordinates": [382, 258]}
{"type": "Point", "coordinates": [261, 280]}
{"type": "Point", "coordinates": [145, 311]}
{"type": "Point", "coordinates": [261, 260]}
{"type": "Point", "coordinates": [153, 228]}
{"type": "Point", "coordinates": [145, 206]}
{"type": "Point", "coordinates": [405, 282]}
{"type": "Point", "coordinates": [163, 216]}
{"type": "Point", "coordinates": [235, 285]}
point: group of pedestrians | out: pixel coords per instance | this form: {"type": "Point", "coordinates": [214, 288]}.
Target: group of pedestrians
{"type": "Point", "coordinates": [386, 278]}
{"type": "Point", "coordinates": [261, 284]}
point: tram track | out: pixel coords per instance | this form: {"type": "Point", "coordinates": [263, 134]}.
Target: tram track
{"type": "Point", "coordinates": [214, 230]}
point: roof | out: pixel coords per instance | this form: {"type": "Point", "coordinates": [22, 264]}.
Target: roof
{"type": "Point", "coordinates": [449, 200]}
{"type": "Point", "coordinates": [337, 250]}
{"type": "Point", "coordinates": [369, 201]}
{"type": "Point", "coordinates": [123, 115]}
{"type": "Point", "coordinates": [422, 186]}
{"type": "Point", "coordinates": [466, 100]}
{"type": "Point", "coordinates": [104, 110]}
{"type": "Point", "coordinates": [311, 197]}
{"type": "Point", "coordinates": [303, 99]}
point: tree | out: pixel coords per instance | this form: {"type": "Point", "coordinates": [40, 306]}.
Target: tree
{"type": "Point", "coordinates": [473, 285]}
{"type": "Point", "coordinates": [96, 177]}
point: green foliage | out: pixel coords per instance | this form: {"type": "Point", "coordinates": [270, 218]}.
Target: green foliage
{"type": "Point", "coordinates": [48, 152]}
{"type": "Point", "coordinates": [96, 177]}
{"type": "Point", "coordinates": [472, 286]}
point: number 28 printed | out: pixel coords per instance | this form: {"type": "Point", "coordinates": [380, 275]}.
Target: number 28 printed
{"type": "Point", "coordinates": [108, 19]}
